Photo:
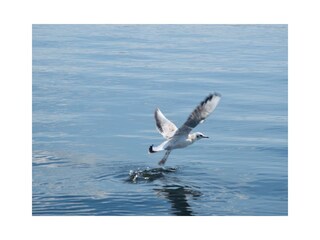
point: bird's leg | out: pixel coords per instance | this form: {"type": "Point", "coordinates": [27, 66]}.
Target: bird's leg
{"type": "Point", "coordinates": [165, 157]}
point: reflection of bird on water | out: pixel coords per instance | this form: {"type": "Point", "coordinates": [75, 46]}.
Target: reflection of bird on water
{"type": "Point", "coordinates": [177, 195]}
{"type": "Point", "coordinates": [181, 137]}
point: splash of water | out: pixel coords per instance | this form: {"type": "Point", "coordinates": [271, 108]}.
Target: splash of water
{"type": "Point", "coordinates": [148, 174]}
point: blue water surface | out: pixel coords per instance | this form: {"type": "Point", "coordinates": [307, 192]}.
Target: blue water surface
{"type": "Point", "coordinates": [95, 88]}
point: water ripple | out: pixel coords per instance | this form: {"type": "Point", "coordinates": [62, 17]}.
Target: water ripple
{"type": "Point", "coordinates": [43, 160]}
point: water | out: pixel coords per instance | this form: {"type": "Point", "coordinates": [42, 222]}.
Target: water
{"type": "Point", "coordinates": [95, 88]}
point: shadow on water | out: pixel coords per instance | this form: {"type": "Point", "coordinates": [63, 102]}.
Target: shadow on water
{"type": "Point", "coordinates": [178, 197]}
{"type": "Point", "coordinates": [176, 194]}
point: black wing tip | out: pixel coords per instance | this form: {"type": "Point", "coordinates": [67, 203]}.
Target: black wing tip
{"type": "Point", "coordinates": [215, 94]}
{"type": "Point", "coordinates": [151, 149]}
{"type": "Point", "coordinates": [209, 98]}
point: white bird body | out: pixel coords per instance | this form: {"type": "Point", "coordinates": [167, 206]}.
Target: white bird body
{"type": "Point", "coordinates": [180, 137]}
{"type": "Point", "coordinates": [174, 143]}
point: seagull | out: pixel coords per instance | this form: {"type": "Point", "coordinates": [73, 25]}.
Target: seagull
{"type": "Point", "coordinates": [181, 137]}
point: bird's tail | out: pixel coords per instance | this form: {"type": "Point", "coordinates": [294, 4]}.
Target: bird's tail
{"type": "Point", "coordinates": [161, 147]}
{"type": "Point", "coordinates": [151, 149]}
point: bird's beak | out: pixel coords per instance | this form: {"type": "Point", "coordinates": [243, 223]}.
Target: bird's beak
{"type": "Point", "coordinates": [205, 136]}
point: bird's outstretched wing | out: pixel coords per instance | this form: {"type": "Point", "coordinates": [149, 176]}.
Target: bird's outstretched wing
{"type": "Point", "coordinates": [200, 113]}
{"type": "Point", "coordinates": [165, 127]}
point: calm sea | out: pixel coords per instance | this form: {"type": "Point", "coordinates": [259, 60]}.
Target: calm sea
{"type": "Point", "coordinates": [95, 88]}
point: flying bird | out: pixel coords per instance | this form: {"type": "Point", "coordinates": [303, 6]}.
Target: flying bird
{"type": "Point", "coordinates": [181, 137]}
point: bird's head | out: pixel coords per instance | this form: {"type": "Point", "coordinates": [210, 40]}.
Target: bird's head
{"type": "Point", "coordinates": [199, 135]}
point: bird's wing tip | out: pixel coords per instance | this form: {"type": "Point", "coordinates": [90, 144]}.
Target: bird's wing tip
{"type": "Point", "coordinates": [216, 94]}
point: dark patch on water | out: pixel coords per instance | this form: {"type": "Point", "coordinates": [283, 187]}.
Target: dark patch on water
{"type": "Point", "coordinates": [148, 174]}
{"type": "Point", "coordinates": [178, 197]}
